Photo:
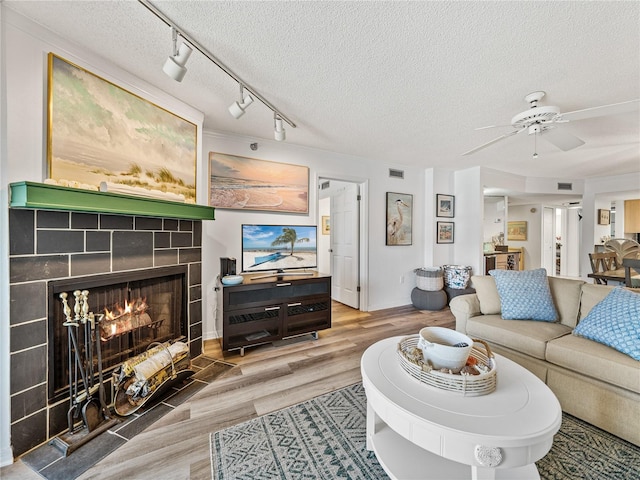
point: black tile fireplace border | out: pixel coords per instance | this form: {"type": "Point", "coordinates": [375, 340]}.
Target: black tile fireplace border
{"type": "Point", "coordinates": [47, 245]}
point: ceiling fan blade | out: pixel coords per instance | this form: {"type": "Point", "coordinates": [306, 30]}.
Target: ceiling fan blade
{"type": "Point", "coordinates": [562, 139]}
{"type": "Point", "coordinates": [485, 145]}
{"type": "Point", "coordinates": [491, 126]}
{"type": "Point", "coordinates": [600, 111]}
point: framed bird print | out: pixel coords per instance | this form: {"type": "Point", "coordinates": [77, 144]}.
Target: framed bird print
{"type": "Point", "coordinates": [399, 218]}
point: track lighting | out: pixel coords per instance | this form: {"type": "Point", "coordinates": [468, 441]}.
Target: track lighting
{"type": "Point", "coordinates": [175, 64]}
{"type": "Point", "coordinates": [237, 108]}
{"type": "Point", "coordinates": [175, 68]}
{"type": "Point", "coordinates": [279, 132]}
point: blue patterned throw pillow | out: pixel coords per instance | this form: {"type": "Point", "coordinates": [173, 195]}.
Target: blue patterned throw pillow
{"type": "Point", "coordinates": [525, 295]}
{"type": "Point", "coordinates": [614, 321]}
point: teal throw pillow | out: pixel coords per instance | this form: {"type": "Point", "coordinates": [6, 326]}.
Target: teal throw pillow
{"type": "Point", "coordinates": [525, 295]}
{"type": "Point", "coordinates": [615, 322]}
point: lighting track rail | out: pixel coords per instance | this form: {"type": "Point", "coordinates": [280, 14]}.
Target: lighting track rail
{"type": "Point", "coordinates": [149, 6]}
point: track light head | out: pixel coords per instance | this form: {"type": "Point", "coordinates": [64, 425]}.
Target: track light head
{"type": "Point", "coordinates": [175, 64]}
{"type": "Point", "coordinates": [237, 108]}
{"type": "Point", "coordinates": [279, 132]}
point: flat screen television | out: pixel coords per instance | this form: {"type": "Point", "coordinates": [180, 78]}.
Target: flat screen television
{"type": "Point", "coordinates": [279, 248]}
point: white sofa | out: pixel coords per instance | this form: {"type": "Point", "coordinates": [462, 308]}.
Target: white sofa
{"type": "Point", "coordinates": [592, 381]}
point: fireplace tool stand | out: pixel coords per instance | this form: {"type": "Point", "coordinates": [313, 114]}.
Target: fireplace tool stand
{"type": "Point", "coordinates": [95, 414]}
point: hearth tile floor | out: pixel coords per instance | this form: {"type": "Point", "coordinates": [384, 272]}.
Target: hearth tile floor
{"type": "Point", "coordinates": [50, 463]}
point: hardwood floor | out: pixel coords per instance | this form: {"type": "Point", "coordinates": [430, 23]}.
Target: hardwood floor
{"type": "Point", "coordinates": [267, 378]}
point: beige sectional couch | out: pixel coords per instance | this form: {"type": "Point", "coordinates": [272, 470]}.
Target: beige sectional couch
{"type": "Point", "coordinates": [592, 381]}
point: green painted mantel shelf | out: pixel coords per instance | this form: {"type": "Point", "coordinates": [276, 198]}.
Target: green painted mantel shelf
{"type": "Point", "coordinates": [53, 197]}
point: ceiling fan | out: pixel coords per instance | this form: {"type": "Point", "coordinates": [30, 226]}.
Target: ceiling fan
{"type": "Point", "coordinates": [544, 120]}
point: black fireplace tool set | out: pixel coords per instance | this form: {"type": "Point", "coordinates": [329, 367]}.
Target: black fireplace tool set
{"type": "Point", "coordinates": [87, 416]}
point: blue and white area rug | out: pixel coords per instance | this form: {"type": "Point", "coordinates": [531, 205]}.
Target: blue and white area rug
{"type": "Point", "coordinates": [324, 439]}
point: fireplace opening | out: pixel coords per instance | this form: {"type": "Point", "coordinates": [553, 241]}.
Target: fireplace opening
{"type": "Point", "coordinates": [137, 308]}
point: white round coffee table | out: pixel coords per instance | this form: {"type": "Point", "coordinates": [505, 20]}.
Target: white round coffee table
{"type": "Point", "coordinates": [419, 431]}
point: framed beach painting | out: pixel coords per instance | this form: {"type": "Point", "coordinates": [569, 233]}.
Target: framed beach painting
{"type": "Point", "coordinates": [250, 184]}
{"type": "Point", "coordinates": [326, 226]}
{"type": "Point", "coordinates": [444, 232]}
{"type": "Point", "coordinates": [399, 218]}
{"type": "Point", "coordinates": [517, 231]}
{"type": "Point", "coordinates": [445, 205]}
{"type": "Point", "coordinates": [102, 137]}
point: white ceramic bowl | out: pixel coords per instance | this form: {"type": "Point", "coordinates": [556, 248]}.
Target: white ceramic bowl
{"type": "Point", "coordinates": [437, 347]}
{"type": "Point", "coordinates": [232, 279]}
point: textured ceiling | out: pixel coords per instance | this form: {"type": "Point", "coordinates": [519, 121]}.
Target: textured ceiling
{"type": "Point", "coordinates": [404, 83]}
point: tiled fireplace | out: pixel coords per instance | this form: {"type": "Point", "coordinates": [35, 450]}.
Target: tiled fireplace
{"type": "Point", "coordinates": [115, 257]}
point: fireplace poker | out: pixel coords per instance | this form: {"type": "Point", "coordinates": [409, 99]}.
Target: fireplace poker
{"type": "Point", "coordinates": [101, 393]}
{"type": "Point", "coordinates": [88, 330]}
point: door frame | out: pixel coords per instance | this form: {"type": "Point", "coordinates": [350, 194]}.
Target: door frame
{"type": "Point", "coordinates": [363, 237]}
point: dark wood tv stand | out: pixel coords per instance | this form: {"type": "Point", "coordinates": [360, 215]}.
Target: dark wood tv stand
{"type": "Point", "coordinates": [273, 308]}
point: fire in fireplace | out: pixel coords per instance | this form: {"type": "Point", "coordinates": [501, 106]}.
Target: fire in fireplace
{"type": "Point", "coordinates": [137, 309]}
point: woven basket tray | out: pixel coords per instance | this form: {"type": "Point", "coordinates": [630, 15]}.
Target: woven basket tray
{"type": "Point", "coordinates": [412, 362]}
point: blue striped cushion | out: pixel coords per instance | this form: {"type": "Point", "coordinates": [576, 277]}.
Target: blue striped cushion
{"type": "Point", "coordinates": [525, 295]}
{"type": "Point", "coordinates": [614, 321]}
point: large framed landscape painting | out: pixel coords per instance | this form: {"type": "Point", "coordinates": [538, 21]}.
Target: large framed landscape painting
{"type": "Point", "coordinates": [250, 184]}
{"type": "Point", "coordinates": [101, 136]}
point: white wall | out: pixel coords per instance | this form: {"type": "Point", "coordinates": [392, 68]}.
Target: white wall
{"type": "Point", "coordinates": [324, 241]}
{"type": "Point", "coordinates": [494, 218]}
{"type": "Point", "coordinates": [6, 455]}
{"type": "Point", "coordinates": [468, 220]}
{"type": "Point", "coordinates": [390, 268]}
{"type": "Point", "coordinates": [533, 244]}
{"type": "Point", "coordinates": [599, 192]}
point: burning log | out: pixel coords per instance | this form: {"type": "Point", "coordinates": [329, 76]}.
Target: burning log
{"type": "Point", "coordinates": [129, 318]}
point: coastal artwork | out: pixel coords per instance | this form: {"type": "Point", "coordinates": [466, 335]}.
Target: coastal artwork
{"type": "Point", "coordinates": [399, 218]}
{"type": "Point", "coordinates": [250, 184]}
{"type": "Point", "coordinates": [517, 231]}
{"type": "Point", "coordinates": [278, 247]}
{"type": "Point", "coordinates": [102, 137]}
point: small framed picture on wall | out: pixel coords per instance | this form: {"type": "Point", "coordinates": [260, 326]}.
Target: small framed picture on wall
{"type": "Point", "coordinates": [444, 232]}
{"type": "Point", "coordinates": [603, 217]}
{"type": "Point", "coordinates": [445, 205]}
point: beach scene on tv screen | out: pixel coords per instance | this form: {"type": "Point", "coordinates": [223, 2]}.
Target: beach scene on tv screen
{"type": "Point", "coordinates": [270, 247]}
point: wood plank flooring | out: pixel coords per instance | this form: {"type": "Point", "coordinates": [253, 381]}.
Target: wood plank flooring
{"type": "Point", "coordinates": [267, 378]}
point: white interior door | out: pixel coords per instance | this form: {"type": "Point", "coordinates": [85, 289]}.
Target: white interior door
{"type": "Point", "coordinates": [344, 245]}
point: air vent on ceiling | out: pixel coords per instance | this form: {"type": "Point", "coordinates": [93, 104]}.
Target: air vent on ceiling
{"type": "Point", "coordinates": [396, 173]}
{"type": "Point", "coordinates": [324, 185]}
{"type": "Point", "coordinates": [565, 186]}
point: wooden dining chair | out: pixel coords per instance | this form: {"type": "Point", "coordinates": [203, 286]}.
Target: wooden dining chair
{"type": "Point", "coordinates": [631, 265]}
{"type": "Point", "coordinates": [602, 262]}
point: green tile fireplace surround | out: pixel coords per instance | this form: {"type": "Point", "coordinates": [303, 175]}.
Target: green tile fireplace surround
{"type": "Point", "coordinates": [53, 197]}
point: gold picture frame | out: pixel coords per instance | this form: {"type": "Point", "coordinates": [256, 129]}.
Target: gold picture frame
{"type": "Point", "coordinates": [326, 225]}
{"type": "Point", "coordinates": [244, 183]}
{"type": "Point", "coordinates": [101, 136]}
{"type": "Point", "coordinates": [517, 231]}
